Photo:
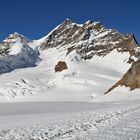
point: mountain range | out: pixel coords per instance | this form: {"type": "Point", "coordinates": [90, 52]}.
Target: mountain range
{"type": "Point", "coordinates": [74, 62]}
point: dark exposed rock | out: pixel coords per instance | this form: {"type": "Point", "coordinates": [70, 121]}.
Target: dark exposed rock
{"type": "Point", "coordinates": [131, 79]}
{"type": "Point", "coordinates": [60, 66]}
{"type": "Point", "coordinates": [69, 50]}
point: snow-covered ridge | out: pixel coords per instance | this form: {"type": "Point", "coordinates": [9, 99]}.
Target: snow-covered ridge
{"type": "Point", "coordinates": [89, 39]}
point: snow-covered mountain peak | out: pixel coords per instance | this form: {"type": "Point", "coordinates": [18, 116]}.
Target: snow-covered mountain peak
{"type": "Point", "coordinates": [91, 22]}
{"type": "Point", "coordinates": [89, 39]}
{"type": "Point", "coordinates": [75, 56]}
{"type": "Point", "coordinates": [12, 38]}
{"type": "Point", "coordinates": [67, 21]}
{"type": "Point", "coordinates": [9, 43]}
{"type": "Point", "coordinates": [16, 53]}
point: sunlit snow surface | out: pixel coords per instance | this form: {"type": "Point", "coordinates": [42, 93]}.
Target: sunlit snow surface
{"type": "Point", "coordinates": [82, 81]}
{"type": "Point", "coordinates": [70, 121]}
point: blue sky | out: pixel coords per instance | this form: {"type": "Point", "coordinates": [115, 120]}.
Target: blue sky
{"type": "Point", "coordinates": [35, 18]}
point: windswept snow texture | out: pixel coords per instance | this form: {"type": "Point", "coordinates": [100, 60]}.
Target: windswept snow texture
{"type": "Point", "coordinates": [70, 121]}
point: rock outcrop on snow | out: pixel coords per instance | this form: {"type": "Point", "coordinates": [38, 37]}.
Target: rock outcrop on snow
{"type": "Point", "coordinates": [60, 66]}
{"type": "Point", "coordinates": [131, 79]}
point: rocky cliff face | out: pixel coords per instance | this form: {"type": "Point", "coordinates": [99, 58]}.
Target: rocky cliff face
{"type": "Point", "coordinates": [89, 39]}
{"type": "Point", "coordinates": [131, 79]}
